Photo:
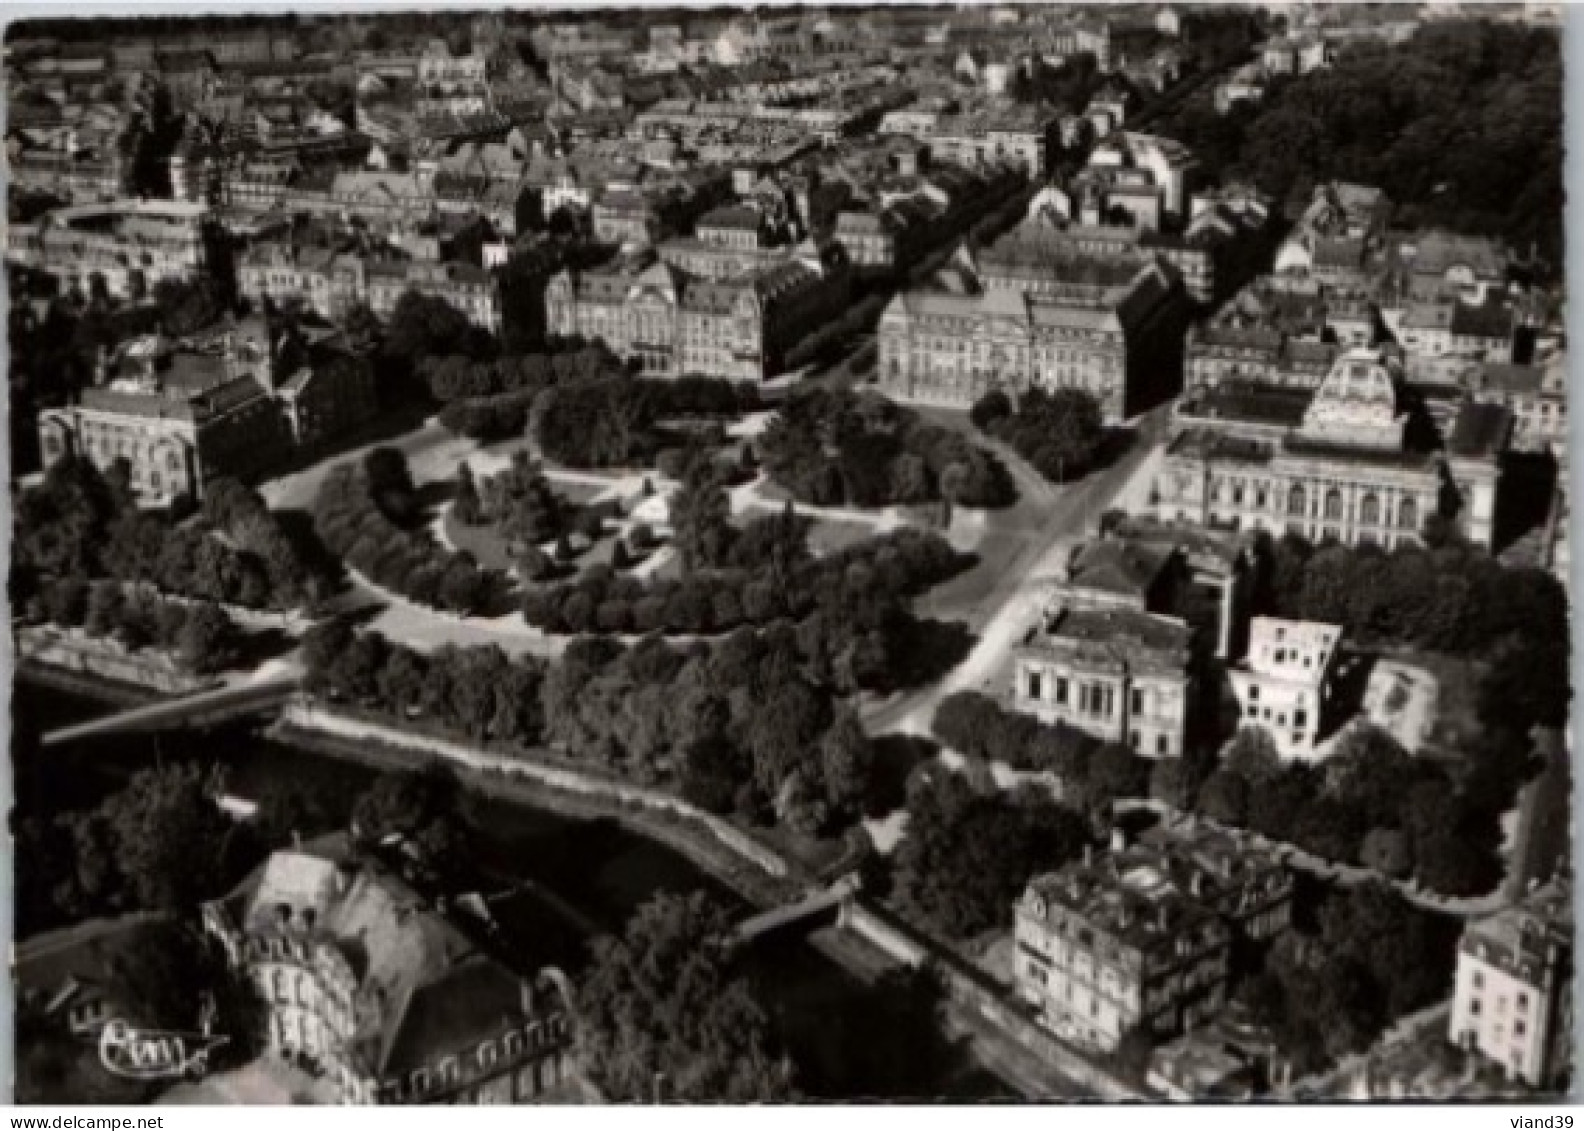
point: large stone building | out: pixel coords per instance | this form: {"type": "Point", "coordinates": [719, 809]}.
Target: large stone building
{"type": "Point", "coordinates": [1120, 675]}
{"type": "Point", "coordinates": [233, 404]}
{"type": "Point", "coordinates": [1513, 1000]}
{"type": "Point", "coordinates": [1141, 937]}
{"type": "Point", "coordinates": [674, 323]}
{"type": "Point", "coordinates": [388, 999]}
{"type": "Point", "coordinates": [1284, 683]}
{"type": "Point", "coordinates": [951, 349]}
{"type": "Point", "coordinates": [1338, 467]}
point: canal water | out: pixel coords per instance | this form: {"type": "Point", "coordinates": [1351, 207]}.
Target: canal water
{"type": "Point", "coordinates": [853, 1039]}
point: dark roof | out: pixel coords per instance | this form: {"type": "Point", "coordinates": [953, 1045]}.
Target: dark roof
{"type": "Point", "coordinates": [1480, 430]}
{"type": "Point", "coordinates": [1252, 402]}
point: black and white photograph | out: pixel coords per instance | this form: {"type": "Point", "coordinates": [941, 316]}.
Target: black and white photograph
{"type": "Point", "coordinates": [980, 555]}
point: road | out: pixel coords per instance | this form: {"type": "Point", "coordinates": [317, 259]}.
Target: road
{"type": "Point", "coordinates": [1020, 579]}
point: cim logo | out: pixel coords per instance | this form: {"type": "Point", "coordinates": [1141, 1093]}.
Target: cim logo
{"type": "Point", "coordinates": [155, 1054]}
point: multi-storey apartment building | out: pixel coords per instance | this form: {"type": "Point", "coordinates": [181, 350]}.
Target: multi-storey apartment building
{"type": "Point", "coordinates": [1121, 675]}
{"type": "Point", "coordinates": [232, 405]}
{"type": "Point", "coordinates": [1342, 470]}
{"type": "Point", "coordinates": [1000, 138]}
{"type": "Point", "coordinates": [1284, 683]}
{"type": "Point", "coordinates": [949, 350]}
{"type": "Point", "coordinates": [1513, 1000]}
{"type": "Point", "coordinates": [386, 997]}
{"type": "Point", "coordinates": [1140, 937]}
{"type": "Point", "coordinates": [674, 323]}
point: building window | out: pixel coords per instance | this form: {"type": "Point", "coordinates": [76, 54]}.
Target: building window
{"type": "Point", "coordinates": [1474, 1007]}
{"type": "Point", "coordinates": [1519, 1028]}
{"type": "Point", "coordinates": [1523, 1003]}
{"type": "Point", "coordinates": [1369, 509]}
{"type": "Point", "coordinates": [1300, 719]}
{"type": "Point", "coordinates": [1034, 687]}
{"type": "Point", "coordinates": [1296, 501]}
{"type": "Point", "coordinates": [1478, 980]}
{"type": "Point", "coordinates": [1138, 701]}
{"type": "Point", "coordinates": [1061, 692]}
{"type": "Point", "coordinates": [1408, 515]}
{"type": "Point", "coordinates": [1162, 745]}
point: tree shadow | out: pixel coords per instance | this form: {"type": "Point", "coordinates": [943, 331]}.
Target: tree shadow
{"type": "Point", "coordinates": [880, 1042]}
{"type": "Point", "coordinates": [1348, 686]}
{"type": "Point", "coordinates": [315, 556]}
{"type": "Point", "coordinates": [261, 645]}
{"type": "Point", "coordinates": [925, 650]}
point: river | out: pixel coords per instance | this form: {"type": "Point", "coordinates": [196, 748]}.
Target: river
{"type": "Point", "coordinates": [843, 1031]}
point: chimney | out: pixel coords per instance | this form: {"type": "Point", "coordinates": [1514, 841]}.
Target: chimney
{"type": "Point", "coordinates": [1118, 840]}
{"type": "Point", "coordinates": [1088, 855]}
{"type": "Point", "coordinates": [525, 997]}
{"type": "Point", "coordinates": [1196, 884]}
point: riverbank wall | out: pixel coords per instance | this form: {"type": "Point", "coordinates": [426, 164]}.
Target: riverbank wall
{"type": "Point", "coordinates": [755, 872]}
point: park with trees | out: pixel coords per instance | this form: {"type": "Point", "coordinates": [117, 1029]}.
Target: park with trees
{"type": "Point", "coordinates": [1060, 431]}
{"type": "Point", "coordinates": [1460, 126]}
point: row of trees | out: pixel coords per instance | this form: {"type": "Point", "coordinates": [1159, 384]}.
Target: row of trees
{"type": "Point", "coordinates": [1060, 432]}
{"type": "Point", "coordinates": [360, 514]}
{"type": "Point", "coordinates": [1091, 773]}
{"type": "Point", "coordinates": [79, 523]}
{"type": "Point", "coordinates": [739, 726]}
{"type": "Point", "coordinates": [663, 1016]}
{"type": "Point", "coordinates": [831, 447]}
{"type": "Point", "coordinates": [615, 421]}
{"type": "Point", "coordinates": [200, 635]}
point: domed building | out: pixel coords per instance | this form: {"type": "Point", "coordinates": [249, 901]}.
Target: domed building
{"type": "Point", "coordinates": [1339, 466]}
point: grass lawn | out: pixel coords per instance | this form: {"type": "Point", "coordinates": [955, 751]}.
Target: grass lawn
{"type": "Point", "coordinates": [481, 541]}
{"type": "Point", "coordinates": [829, 535]}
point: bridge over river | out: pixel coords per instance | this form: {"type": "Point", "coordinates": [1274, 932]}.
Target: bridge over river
{"type": "Point", "coordinates": [207, 708]}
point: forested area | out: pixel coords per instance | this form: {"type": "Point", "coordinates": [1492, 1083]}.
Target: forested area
{"type": "Point", "coordinates": [970, 851]}
{"type": "Point", "coordinates": [832, 447]}
{"type": "Point", "coordinates": [1461, 126]}
{"type": "Point", "coordinates": [741, 725]}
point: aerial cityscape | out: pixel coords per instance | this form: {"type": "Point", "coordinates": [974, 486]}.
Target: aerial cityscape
{"type": "Point", "coordinates": [989, 554]}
